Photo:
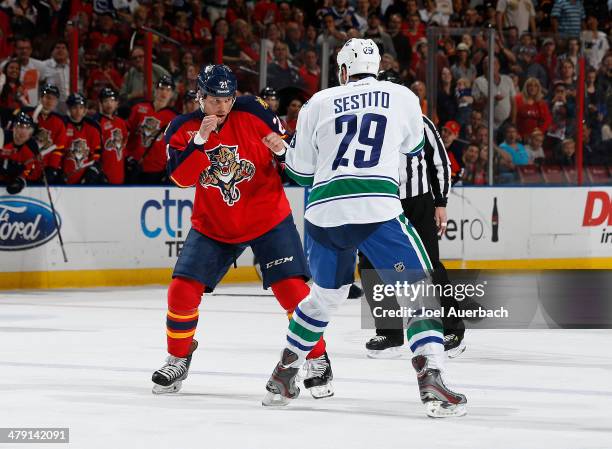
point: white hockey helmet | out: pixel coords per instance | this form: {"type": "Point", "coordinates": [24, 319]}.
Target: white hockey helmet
{"type": "Point", "coordinates": [358, 56]}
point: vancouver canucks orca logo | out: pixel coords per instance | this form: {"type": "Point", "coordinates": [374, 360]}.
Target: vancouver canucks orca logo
{"type": "Point", "coordinates": [226, 171]}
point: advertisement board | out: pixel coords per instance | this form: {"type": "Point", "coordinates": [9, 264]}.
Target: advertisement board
{"type": "Point", "coordinates": [143, 228]}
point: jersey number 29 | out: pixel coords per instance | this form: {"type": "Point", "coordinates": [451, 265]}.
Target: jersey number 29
{"type": "Point", "coordinates": [375, 143]}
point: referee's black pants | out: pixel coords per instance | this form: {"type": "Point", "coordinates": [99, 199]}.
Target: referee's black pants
{"type": "Point", "coordinates": [420, 212]}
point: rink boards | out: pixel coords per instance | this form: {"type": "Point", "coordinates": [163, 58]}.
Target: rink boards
{"type": "Point", "coordinates": [132, 235]}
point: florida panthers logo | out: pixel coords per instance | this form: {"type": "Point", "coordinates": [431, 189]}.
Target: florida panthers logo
{"type": "Point", "coordinates": [43, 138]}
{"type": "Point", "coordinates": [78, 152]}
{"type": "Point", "coordinates": [226, 171]}
{"type": "Point", "coordinates": [149, 131]}
{"type": "Point", "coordinates": [115, 143]}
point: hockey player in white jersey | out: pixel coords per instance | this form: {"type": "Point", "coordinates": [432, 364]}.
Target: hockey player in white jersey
{"type": "Point", "coordinates": [347, 147]}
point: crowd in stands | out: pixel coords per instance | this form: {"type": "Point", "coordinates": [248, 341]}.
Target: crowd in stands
{"type": "Point", "coordinates": [538, 47]}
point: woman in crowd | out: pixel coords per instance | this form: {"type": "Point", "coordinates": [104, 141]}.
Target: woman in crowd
{"type": "Point", "coordinates": [531, 109]}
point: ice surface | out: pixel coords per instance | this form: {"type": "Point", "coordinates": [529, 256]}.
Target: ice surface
{"type": "Point", "coordinates": [83, 359]}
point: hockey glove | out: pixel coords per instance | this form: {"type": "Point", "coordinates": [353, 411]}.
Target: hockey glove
{"type": "Point", "coordinates": [94, 175]}
{"type": "Point", "coordinates": [15, 186]}
{"type": "Point", "coordinates": [11, 168]}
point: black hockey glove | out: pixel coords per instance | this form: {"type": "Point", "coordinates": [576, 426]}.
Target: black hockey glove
{"type": "Point", "coordinates": [132, 170]}
{"type": "Point", "coordinates": [94, 175]}
{"type": "Point", "coordinates": [54, 176]}
{"type": "Point", "coordinates": [11, 168]}
{"type": "Point", "coordinates": [15, 186]}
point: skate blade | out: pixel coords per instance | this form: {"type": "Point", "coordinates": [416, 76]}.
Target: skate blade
{"type": "Point", "coordinates": [438, 409]}
{"type": "Point", "coordinates": [390, 353]}
{"type": "Point", "coordinates": [174, 388]}
{"type": "Point", "coordinates": [322, 391]}
{"type": "Point", "coordinates": [456, 352]}
{"type": "Point", "coordinates": [275, 400]}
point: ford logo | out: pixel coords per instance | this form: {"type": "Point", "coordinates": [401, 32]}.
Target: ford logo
{"type": "Point", "coordinates": [25, 223]}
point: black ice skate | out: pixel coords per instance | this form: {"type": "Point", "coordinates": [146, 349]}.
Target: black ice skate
{"type": "Point", "coordinates": [319, 377]}
{"type": "Point", "coordinates": [440, 402]}
{"type": "Point", "coordinates": [385, 346]}
{"type": "Point", "coordinates": [169, 378]}
{"type": "Point", "coordinates": [281, 386]}
{"type": "Point", "coordinates": [453, 340]}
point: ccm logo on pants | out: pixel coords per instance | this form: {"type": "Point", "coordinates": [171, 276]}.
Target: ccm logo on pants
{"type": "Point", "coordinates": [279, 261]}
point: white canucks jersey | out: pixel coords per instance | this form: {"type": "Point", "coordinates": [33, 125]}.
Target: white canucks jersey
{"type": "Point", "coordinates": [347, 145]}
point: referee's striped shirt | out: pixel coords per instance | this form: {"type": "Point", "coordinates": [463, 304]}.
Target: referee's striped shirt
{"type": "Point", "coordinates": [429, 171]}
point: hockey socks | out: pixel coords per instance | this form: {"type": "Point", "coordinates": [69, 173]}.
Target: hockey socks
{"type": "Point", "coordinates": [184, 297]}
{"type": "Point", "coordinates": [426, 337]}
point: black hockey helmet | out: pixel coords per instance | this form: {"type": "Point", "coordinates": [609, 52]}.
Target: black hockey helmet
{"type": "Point", "coordinates": [23, 119]}
{"type": "Point", "coordinates": [107, 92]}
{"type": "Point", "coordinates": [268, 92]}
{"type": "Point", "coordinates": [190, 95]}
{"type": "Point", "coordinates": [389, 75]}
{"type": "Point", "coordinates": [217, 80]}
{"type": "Point", "coordinates": [75, 99]}
{"type": "Point", "coordinates": [49, 89]}
{"type": "Point", "coordinates": [166, 81]}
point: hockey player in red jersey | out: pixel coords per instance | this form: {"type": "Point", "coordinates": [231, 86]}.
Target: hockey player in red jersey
{"type": "Point", "coordinates": [114, 137]}
{"type": "Point", "coordinates": [146, 149]}
{"type": "Point", "coordinates": [226, 151]}
{"type": "Point", "coordinates": [17, 154]}
{"type": "Point", "coordinates": [50, 135]}
{"type": "Point", "coordinates": [81, 160]}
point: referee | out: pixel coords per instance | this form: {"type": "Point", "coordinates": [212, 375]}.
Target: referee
{"type": "Point", "coordinates": [425, 182]}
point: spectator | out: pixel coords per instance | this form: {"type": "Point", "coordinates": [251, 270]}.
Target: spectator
{"type": "Point", "coordinates": [56, 71]}
{"type": "Point", "coordinates": [446, 107]}
{"type": "Point", "coordinates": [399, 7]}
{"type": "Point", "coordinates": [217, 9]}
{"type": "Point", "coordinates": [330, 35]}
{"type": "Point", "coordinates": [293, 38]}
{"type": "Point", "coordinates": [264, 14]}
{"type": "Point", "coordinates": [463, 68]}
{"type": "Point", "coordinates": [428, 10]}
{"type": "Point", "coordinates": [450, 134]}
{"type": "Point", "coordinates": [104, 39]}
{"type": "Point", "coordinates": [180, 31]}
{"type": "Point", "coordinates": [567, 17]}
{"type": "Point", "coordinates": [534, 147]}
{"type": "Point", "coordinates": [281, 73]}
{"type": "Point", "coordinates": [419, 90]}
{"type": "Point", "coordinates": [504, 102]}
{"type": "Point", "coordinates": [12, 94]}
{"type": "Point", "coordinates": [573, 51]}
{"type": "Point", "coordinates": [415, 31]}
{"type": "Point", "coordinates": [531, 110]}
{"type": "Point", "coordinates": [30, 70]}
{"type": "Point", "coordinates": [24, 17]}
{"type": "Point", "coordinates": [344, 15]}
{"type": "Point", "coordinates": [361, 15]}
{"type": "Point", "coordinates": [273, 36]}
{"type": "Point", "coordinates": [200, 28]}
{"type": "Point", "coordinates": [444, 10]}
{"type": "Point", "coordinates": [468, 132]}
{"type": "Point", "coordinates": [401, 43]}
{"type": "Point", "coordinates": [133, 81]}
{"type": "Point", "coordinates": [380, 37]}
{"type": "Point", "coordinates": [567, 76]}
{"type": "Point", "coordinates": [594, 106]}
{"type": "Point", "coordinates": [547, 58]}
{"type": "Point", "coordinates": [604, 82]}
{"type": "Point", "coordinates": [526, 67]}
{"type": "Point", "coordinates": [567, 156]}
{"type": "Point", "coordinates": [595, 42]}
{"type": "Point", "coordinates": [463, 93]}
{"type": "Point", "coordinates": [310, 72]}
{"type": "Point", "coordinates": [513, 147]}
{"type": "Point", "coordinates": [292, 115]}
{"type": "Point", "coordinates": [469, 163]}
{"type": "Point", "coordinates": [103, 75]}
{"type": "Point", "coordinates": [515, 13]}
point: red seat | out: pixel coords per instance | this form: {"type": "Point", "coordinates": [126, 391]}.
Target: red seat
{"type": "Point", "coordinates": [571, 174]}
{"type": "Point", "coordinates": [598, 174]}
{"type": "Point", "coordinates": [553, 174]}
{"type": "Point", "coordinates": [529, 174]}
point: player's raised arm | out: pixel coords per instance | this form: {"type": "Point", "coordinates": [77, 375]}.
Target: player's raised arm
{"type": "Point", "coordinates": [184, 150]}
{"type": "Point", "coordinates": [301, 157]}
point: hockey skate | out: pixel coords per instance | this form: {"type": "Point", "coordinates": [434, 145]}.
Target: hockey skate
{"type": "Point", "coordinates": [454, 345]}
{"type": "Point", "coordinates": [385, 346]}
{"type": "Point", "coordinates": [281, 386]}
{"type": "Point", "coordinates": [169, 378]}
{"type": "Point", "coordinates": [319, 376]}
{"type": "Point", "coordinates": [439, 401]}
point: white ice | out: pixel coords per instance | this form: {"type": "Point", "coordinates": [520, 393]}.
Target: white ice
{"type": "Point", "coordinates": [83, 359]}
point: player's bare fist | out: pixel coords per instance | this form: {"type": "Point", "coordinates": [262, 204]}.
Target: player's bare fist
{"type": "Point", "coordinates": [275, 143]}
{"type": "Point", "coordinates": [209, 124]}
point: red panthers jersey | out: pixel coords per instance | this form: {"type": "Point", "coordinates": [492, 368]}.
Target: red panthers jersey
{"type": "Point", "coordinates": [82, 149]}
{"type": "Point", "coordinates": [239, 192]}
{"type": "Point", "coordinates": [146, 126]}
{"type": "Point", "coordinates": [114, 138]}
{"type": "Point", "coordinates": [23, 154]}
